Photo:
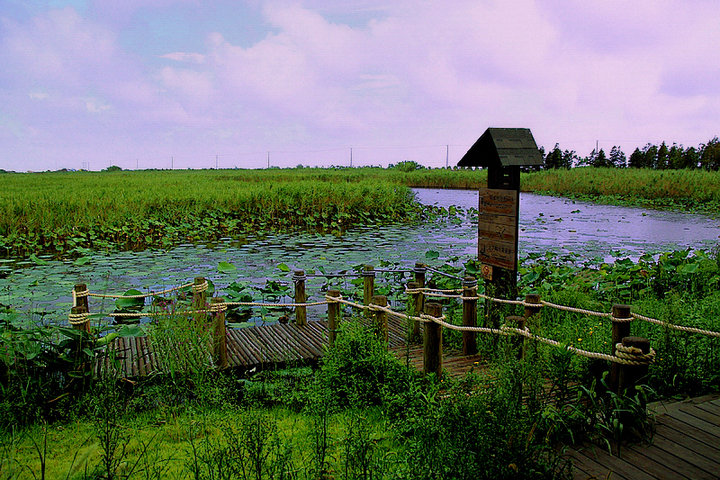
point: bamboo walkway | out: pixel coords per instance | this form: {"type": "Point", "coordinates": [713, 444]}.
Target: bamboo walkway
{"type": "Point", "coordinates": [276, 345]}
{"type": "Point", "coordinates": [686, 445]}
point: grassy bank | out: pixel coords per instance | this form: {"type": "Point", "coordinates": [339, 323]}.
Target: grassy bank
{"type": "Point", "coordinates": [689, 190]}
{"type": "Point", "coordinates": [60, 212]}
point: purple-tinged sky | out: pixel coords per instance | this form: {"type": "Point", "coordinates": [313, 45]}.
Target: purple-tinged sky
{"type": "Point", "coordinates": [190, 83]}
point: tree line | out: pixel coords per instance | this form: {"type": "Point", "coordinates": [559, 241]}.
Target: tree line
{"type": "Point", "coordinates": [658, 157]}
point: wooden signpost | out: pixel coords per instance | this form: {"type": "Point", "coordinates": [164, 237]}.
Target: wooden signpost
{"type": "Point", "coordinates": [498, 228]}
{"type": "Point", "coordinates": [502, 151]}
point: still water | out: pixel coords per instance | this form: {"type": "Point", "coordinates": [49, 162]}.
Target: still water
{"type": "Point", "coordinates": [546, 223]}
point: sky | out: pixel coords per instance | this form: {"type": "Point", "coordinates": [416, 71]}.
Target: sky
{"type": "Point", "coordinates": [247, 83]}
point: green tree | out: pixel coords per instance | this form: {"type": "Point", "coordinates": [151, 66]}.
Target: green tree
{"type": "Point", "coordinates": [617, 157]}
{"type": "Point", "coordinates": [637, 159]}
{"type": "Point", "coordinates": [650, 153]}
{"type": "Point", "coordinates": [662, 158]}
{"type": "Point", "coordinates": [554, 158]}
{"type": "Point", "coordinates": [599, 159]}
{"type": "Point", "coordinates": [710, 155]}
{"type": "Point", "coordinates": [690, 158]}
{"type": "Point", "coordinates": [675, 157]}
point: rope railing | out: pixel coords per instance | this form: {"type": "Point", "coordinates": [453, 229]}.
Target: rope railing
{"type": "Point", "coordinates": [624, 355]}
{"type": "Point", "coordinates": [78, 318]}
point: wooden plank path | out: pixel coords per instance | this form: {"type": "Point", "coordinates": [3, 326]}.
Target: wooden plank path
{"type": "Point", "coordinates": [686, 445]}
{"type": "Point", "coordinates": [268, 346]}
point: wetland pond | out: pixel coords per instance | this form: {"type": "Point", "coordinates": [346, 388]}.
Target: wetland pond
{"type": "Point", "coordinates": [564, 226]}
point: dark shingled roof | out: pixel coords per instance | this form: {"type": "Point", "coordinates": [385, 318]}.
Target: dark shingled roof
{"type": "Point", "coordinates": [503, 147]}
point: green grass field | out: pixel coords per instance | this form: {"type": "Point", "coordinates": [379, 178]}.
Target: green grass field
{"type": "Point", "coordinates": [62, 211]}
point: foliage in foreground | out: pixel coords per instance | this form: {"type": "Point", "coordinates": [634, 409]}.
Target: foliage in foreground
{"type": "Point", "coordinates": [407, 429]}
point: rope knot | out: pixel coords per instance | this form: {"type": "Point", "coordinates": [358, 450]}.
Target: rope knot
{"type": "Point", "coordinates": [78, 318]}
{"type": "Point", "coordinates": [634, 355]}
{"type": "Point", "coordinates": [333, 299]}
{"type": "Point", "coordinates": [622, 320]}
{"type": "Point", "coordinates": [200, 287]}
{"type": "Point", "coordinates": [218, 307]}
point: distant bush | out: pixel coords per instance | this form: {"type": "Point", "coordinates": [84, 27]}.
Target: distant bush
{"type": "Point", "coordinates": [406, 166]}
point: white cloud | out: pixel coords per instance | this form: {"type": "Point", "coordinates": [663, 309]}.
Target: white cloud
{"type": "Point", "coordinates": [96, 105]}
{"type": "Point", "coordinates": [185, 57]}
{"type": "Point", "coordinates": [38, 95]}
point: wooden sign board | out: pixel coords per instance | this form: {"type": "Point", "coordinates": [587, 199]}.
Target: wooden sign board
{"type": "Point", "coordinates": [498, 228]}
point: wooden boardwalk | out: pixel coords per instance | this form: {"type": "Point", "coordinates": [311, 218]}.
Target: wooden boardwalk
{"type": "Point", "coordinates": [686, 445]}
{"type": "Point", "coordinates": [277, 345]}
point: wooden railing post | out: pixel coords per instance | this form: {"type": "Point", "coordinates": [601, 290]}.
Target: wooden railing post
{"type": "Point", "coordinates": [81, 301]}
{"type": "Point", "coordinates": [300, 311]}
{"type": "Point", "coordinates": [381, 318]}
{"type": "Point", "coordinates": [419, 271]}
{"type": "Point", "coordinates": [469, 315]}
{"type": "Point", "coordinates": [416, 306]}
{"type": "Point", "coordinates": [531, 300]}
{"type": "Point", "coordinates": [432, 342]}
{"type": "Point", "coordinates": [620, 330]}
{"type": "Point", "coordinates": [219, 335]}
{"type": "Point", "coordinates": [368, 275]}
{"type": "Point", "coordinates": [629, 375]}
{"type": "Point", "coordinates": [333, 316]}
{"type": "Point", "coordinates": [199, 299]}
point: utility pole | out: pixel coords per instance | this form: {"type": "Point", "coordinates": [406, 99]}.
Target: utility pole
{"type": "Point", "coordinates": [268, 159]}
{"type": "Point", "coordinates": [137, 164]}
{"type": "Point", "coordinates": [447, 155]}
{"type": "Point", "coordinates": [172, 162]}
{"type": "Point", "coordinates": [350, 156]}
{"type": "Point", "coordinates": [216, 162]}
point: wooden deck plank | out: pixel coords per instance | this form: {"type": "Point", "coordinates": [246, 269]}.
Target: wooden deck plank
{"type": "Point", "coordinates": [710, 418]}
{"type": "Point", "coordinates": [300, 336]}
{"type": "Point", "coordinates": [617, 465]}
{"type": "Point", "coordinates": [694, 421]}
{"type": "Point", "coordinates": [658, 462]}
{"type": "Point", "coordinates": [240, 351]}
{"type": "Point", "coordinates": [683, 460]}
{"type": "Point", "coordinates": [288, 348]}
{"type": "Point", "coordinates": [691, 431]}
{"type": "Point", "coordinates": [246, 348]}
{"type": "Point", "coordinates": [276, 348]}
{"type": "Point", "coordinates": [590, 468]}
{"type": "Point", "coordinates": [710, 452]}
{"type": "Point", "coordinates": [711, 409]}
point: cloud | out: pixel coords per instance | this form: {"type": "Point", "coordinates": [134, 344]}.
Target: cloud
{"type": "Point", "coordinates": [196, 58]}
{"type": "Point", "coordinates": [362, 72]}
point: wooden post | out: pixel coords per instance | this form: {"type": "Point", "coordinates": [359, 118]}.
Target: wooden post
{"type": "Point", "coordinates": [620, 330]}
{"type": "Point", "coordinates": [381, 318]}
{"type": "Point", "coordinates": [220, 355]}
{"type": "Point", "coordinates": [368, 286]}
{"type": "Point", "coordinates": [81, 300]}
{"type": "Point", "coordinates": [419, 270]}
{"type": "Point", "coordinates": [333, 316]}
{"type": "Point", "coordinates": [532, 299]}
{"type": "Point", "coordinates": [629, 375]}
{"type": "Point", "coordinates": [416, 302]}
{"type": "Point", "coordinates": [300, 311]}
{"type": "Point", "coordinates": [199, 298]}
{"type": "Point", "coordinates": [432, 342]}
{"type": "Point", "coordinates": [469, 315]}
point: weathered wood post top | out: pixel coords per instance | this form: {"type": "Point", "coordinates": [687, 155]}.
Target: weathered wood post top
{"type": "Point", "coordinates": [502, 151]}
